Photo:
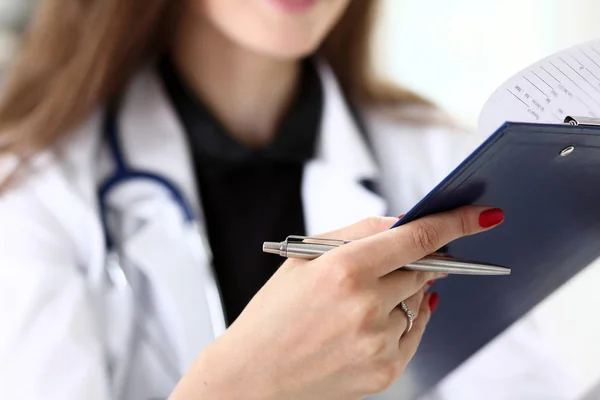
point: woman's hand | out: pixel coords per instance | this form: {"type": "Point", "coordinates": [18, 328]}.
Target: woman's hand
{"type": "Point", "coordinates": [331, 328]}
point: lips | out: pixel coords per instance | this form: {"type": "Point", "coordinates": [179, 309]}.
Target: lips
{"type": "Point", "coordinates": [296, 6]}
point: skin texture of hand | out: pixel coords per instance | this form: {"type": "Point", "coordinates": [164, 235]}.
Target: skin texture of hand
{"type": "Point", "coordinates": [331, 328]}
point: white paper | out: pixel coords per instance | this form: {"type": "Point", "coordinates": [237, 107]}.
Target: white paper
{"type": "Point", "coordinates": [563, 84]}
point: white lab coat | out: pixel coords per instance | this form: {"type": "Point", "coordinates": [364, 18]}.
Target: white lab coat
{"type": "Point", "coordinates": [63, 331]}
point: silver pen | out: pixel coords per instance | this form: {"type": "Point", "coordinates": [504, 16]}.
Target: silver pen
{"type": "Point", "coordinates": [310, 248]}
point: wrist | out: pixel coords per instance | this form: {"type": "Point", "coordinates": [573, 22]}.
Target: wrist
{"type": "Point", "coordinates": [208, 378]}
{"type": "Point", "coordinates": [220, 372]}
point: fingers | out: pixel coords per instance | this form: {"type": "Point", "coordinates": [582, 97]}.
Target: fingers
{"type": "Point", "coordinates": [386, 251]}
{"type": "Point", "coordinates": [402, 284]}
{"type": "Point", "coordinates": [365, 228]}
{"type": "Point", "coordinates": [409, 342]}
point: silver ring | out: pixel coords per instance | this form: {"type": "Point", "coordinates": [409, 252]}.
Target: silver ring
{"type": "Point", "coordinates": [409, 315]}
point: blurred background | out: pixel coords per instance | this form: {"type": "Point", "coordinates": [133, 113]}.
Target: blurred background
{"type": "Point", "coordinates": [442, 49]}
{"type": "Point", "coordinates": [13, 16]}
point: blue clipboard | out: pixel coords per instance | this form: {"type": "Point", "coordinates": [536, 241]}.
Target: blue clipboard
{"type": "Point", "coordinates": [547, 180]}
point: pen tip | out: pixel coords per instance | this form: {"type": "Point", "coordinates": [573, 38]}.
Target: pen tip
{"type": "Point", "coordinates": [271, 247]}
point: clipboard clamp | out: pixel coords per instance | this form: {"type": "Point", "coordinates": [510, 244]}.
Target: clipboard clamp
{"type": "Point", "coordinates": [582, 121]}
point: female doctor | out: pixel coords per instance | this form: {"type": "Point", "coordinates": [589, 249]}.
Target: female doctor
{"type": "Point", "coordinates": [150, 146]}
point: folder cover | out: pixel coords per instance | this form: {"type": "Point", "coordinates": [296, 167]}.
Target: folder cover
{"type": "Point", "coordinates": [546, 177]}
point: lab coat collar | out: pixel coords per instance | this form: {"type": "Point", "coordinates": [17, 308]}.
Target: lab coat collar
{"type": "Point", "coordinates": [342, 145]}
{"type": "Point", "coordinates": [152, 136]}
{"type": "Point", "coordinates": [338, 187]}
{"type": "Point", "coordinates": [343, 168]}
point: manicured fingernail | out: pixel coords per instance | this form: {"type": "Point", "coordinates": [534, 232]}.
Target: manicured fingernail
{"type": "Point", "coordinates": [491, 217]}
{"type": "Point", "coordinates": [434, 300]}
{"type": "Point", "coordinates": [429, 283]}
{"type": "Point", "coordinates": [400, 216]}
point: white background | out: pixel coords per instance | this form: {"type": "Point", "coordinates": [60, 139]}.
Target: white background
{"type": "Point", "coordinates": [457, 52]}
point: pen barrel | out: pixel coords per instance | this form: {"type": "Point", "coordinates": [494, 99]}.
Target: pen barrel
{"type": "Point", "coordinates": [307, 251]}
{"type": "Point", "coordinates": [433, 263]}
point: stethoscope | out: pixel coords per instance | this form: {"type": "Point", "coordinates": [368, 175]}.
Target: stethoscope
{"type": "Point", "coordinates": [118, 274]}
{"type": "Point", "coordinates": [125, 173]}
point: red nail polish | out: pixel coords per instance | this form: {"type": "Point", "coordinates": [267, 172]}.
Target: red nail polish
{"type": "Point", "coordinates": [400, 216]}
{"type": "Point", "coordinates": [434, 300]}
{"type": "Point", "coordinates": [429, 283]}
{"type": "Point", "coordinates": [491, 217]}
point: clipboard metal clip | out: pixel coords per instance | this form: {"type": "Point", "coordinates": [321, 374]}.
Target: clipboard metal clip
{"type": "Point", "coordinates": [583, 121]}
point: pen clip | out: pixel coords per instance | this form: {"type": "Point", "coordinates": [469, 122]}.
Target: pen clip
{"type": "Point", "coordinates": [315, 240]}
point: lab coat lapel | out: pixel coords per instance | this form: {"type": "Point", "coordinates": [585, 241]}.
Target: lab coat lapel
{"type": "Point", "coordinates": [335, 186]}
{"type": "Point", "coordinates": [153, 140]}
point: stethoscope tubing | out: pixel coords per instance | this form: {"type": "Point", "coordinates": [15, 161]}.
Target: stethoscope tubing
{"type": "Point", "coordinates": [124, 173]}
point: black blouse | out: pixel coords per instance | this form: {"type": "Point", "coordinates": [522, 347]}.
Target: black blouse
{"type": "Point", "coordinates": [248, 195]}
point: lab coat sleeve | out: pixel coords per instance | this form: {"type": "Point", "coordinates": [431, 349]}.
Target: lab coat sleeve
{"type": "Point", "coordinates": [50, 345]}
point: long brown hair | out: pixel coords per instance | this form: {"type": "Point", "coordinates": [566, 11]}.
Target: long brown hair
{"type": "Point", "coordinates": [77, 54]}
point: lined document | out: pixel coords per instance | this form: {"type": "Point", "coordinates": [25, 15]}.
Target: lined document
{"type": "Point", "coordinates": [563, 84]}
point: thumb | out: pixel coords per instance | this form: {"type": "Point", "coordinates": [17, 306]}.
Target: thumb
{"type": "Point", "coordinates": [362, 229]}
